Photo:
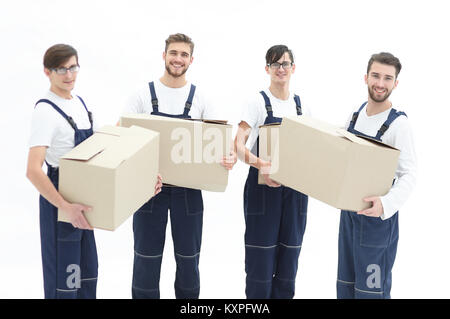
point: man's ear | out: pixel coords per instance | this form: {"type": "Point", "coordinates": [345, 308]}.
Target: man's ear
{"type": "Point", "coordinates": [395, 83]}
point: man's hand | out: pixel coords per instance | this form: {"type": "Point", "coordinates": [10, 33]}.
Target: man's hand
{"type": "Point", "coordinates": [76, 216]}
{"type": "Point", "coordinates": [264, 168]}
{"type": "Point", "coordinates": [229, 161]}
{"type": "Point", "coordinates": [158, 185]}
{"type": "Point", "coordinates": [376, 210]}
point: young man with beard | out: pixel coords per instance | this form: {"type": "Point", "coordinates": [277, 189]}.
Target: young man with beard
{"type": "Point", "coordinates": [368, 238]}
{"type": "Point", "coordinates": [275, 215]}
{"type": "Point", "coordinates": [172, 96]}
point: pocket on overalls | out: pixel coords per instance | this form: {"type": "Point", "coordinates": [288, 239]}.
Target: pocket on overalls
{"type": "Point", "coordinates": [375, 232]}
{"type": "Point", "coordinates": [147, 207]}
{"type": "Point", "coordinates": [66, 232]}
{"type": "Point", "coordinates": [255, 199]}
{"type": "Point", "coordinates": [194, 201]}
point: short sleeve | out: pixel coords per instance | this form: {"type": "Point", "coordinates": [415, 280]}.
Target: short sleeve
{"type": "Point", "coordinates": [135, 103]}
{"type": "Point", "coordinates": [43, 126]}
{"type": "Point", "coordinates": [251, 113]}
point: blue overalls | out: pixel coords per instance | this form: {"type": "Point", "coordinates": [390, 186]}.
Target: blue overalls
{"type": "Point", "coordinates": [275, 220]}
{"type": "Point", "coordinates": [367, 245]}
{"type": "Point", "coordinates": [69, 254]}
{"type": "Point", "coordinates": [149, 227]}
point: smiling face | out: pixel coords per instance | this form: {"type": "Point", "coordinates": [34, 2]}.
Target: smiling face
{"type": "Point", "coordinates": [281, 75]}
{"type": "Point", "coordinates": [177, 58]}
{"type": "Point", "coordinates": [63, 84]}
{"type": "Point", "coordinates": [381, 81]}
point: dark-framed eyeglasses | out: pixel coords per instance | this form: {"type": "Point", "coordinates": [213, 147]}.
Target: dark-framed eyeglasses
{"type": "Point", "coordinates": [62, 70]}
{"type": "Point", "coordinates": [286, 65]}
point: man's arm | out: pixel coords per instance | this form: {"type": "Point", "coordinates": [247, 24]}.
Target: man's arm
{"type": "Point", "coordinates": [387, 205]}
{"type": "Point", "coordinates": [248, 157]}
{"type": "Point", "coordinates": [40, 180]}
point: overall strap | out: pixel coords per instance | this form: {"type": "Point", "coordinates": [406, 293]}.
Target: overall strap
{"type": "Point", "coordinates": [187, 106]}
{"type": "Point", "coordinates": [355, 117]}
{"type": "Point", "coordinates": [68, 118]}
{"type": "Point", "coordinates": [153, 96]}
{"type": "Point", "coordinates": [91, 120]}
{"type": "Point", "coordinates": [393, 114]}
{"type": "Point", "coordinates": [267, 104]}
{"type": "Point", "coordinates": [298, 104]}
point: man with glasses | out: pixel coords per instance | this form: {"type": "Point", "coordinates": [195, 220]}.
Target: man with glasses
{"type": "Point", "coordinates": [61, 121]}
{"type": "Point", "coordinates": [368, 239]}
{"type": "Point", "coordinates": [171, 96]}
{"type": "Point", "coordinates": [275, 216]}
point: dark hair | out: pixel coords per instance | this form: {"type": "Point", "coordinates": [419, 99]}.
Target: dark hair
{"type": "Point", "coordinates": [385, 58]}
{"type": "Point", "coordinates": [58, 54]}
{"type": "Point", "coordinates": [179, 37]}
{"type": "Point", "coordinates": [276, 52]}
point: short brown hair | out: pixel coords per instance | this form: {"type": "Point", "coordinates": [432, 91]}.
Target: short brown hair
{"type": "Point", "coordinates": [57, 54]}
{"type": "Point", "coordinates": [276, 52]}
{"type": "Point", "coordinates": [385, 58]}
{"type": "Point", "coordinates": [179, 37]}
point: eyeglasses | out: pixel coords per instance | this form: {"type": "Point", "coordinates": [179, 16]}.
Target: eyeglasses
{"type": "Point", "coordinates": [286, 65]}
{"type": "Point", "coordinates": [63, 70]}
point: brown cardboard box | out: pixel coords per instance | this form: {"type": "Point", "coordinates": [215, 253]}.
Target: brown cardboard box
{"type": "Point", "coordinates": [329, 163]}
{"type": "Point", "coordinates": [190, 150]}
{"type": "Point", "coordinates": [114, 171]}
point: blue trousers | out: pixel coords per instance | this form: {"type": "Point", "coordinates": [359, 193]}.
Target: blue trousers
{"type": "Point", "coordinates": [149, 226]}
{"type": "Point", "coordinates": [69, 254]}
{"type": "Point", "coordinates": [367, 250]}
{"type": "Point", "coordinates": [275, 220]}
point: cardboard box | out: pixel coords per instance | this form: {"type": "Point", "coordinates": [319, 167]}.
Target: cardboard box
{"type": "Point", "coordinates": [190, 150]}
{"type": "Point", "coordinates": [114, 171]}
{"type": "Point", "coordinates": [329, 163]}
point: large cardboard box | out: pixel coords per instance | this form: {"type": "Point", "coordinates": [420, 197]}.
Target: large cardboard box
{"type": "Point", "coordinates": [327, 162]}
{"type": "Point", "coordinates": [114, 171]}
{"type": "Point", "coordinates": [190, 150]}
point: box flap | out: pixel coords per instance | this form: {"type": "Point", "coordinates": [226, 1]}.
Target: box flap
{"type": "Point", "coordinates": [270, 124]}
{"type": "Point", "coordinates": [89, 148]}
{"type": "Point", "coordinates": [372, 140]}
{"type": "Point", "coordinates": [112, 130]}
{"type": "Point", "coordinates": [223, 122]}
{"type": "Point", "coordinates": [315, 124]}
{"type": "Point", "coordinates": [144, 116]}
{"type": "Point", "coordinates": [164, 118]}
{"type": "Point", "coordinates": [130, 141]}
{"type": "Point", "coordinates": [352, 137]}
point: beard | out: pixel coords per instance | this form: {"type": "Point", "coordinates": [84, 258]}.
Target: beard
{"type": "Point", "coordinates": [176, 75]}
{"type": "Point", "coordinates": [373, 96]}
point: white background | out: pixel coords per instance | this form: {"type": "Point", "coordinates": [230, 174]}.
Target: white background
{"type": "Point", "coordinates": [120, 45]}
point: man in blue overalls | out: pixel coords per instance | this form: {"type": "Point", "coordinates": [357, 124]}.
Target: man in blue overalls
{"type": "Point", "coordinates": [170, 96]}
{"type": "Point", "coordinates": [368, 238]}
{"type": "Point", "coordinates": [275, 216]}
{"type": "Point", "coordinates": [60, 122]}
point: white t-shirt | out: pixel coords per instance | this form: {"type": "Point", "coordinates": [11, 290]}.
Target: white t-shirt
{"type": "Point", "coordinates": [255, 113]}
{"type": "Point", "coordinates": [51, 129]}
{"type": "Point", "coordinates": [170, 101]}
{"type": "Point", "coordinates": [398, 135]}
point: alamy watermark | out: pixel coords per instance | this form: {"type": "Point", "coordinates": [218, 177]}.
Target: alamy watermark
{"type": "Point", "coordinates": [374, 279]}
{"type": "Point", "coordinates": [74, 279]}
{"type": "Point", "coordinates": [208, 145]}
